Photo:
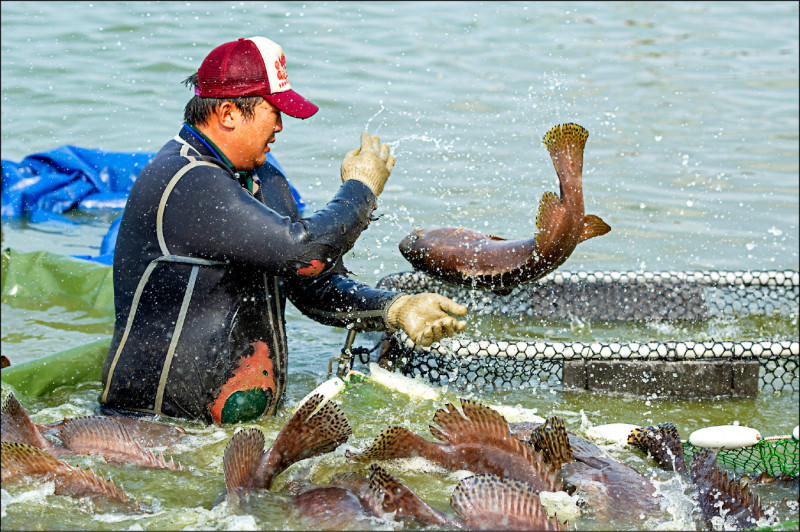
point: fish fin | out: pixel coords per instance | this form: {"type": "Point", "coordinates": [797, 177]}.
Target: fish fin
{"type": "Point", "coordinates": [305, 435]}
{"type": "Point", "coordinates": [393, 442]}
{"type": "Point", "coordinates": [241, 458]}
{"type": "Point", "coordinates": [487, 502]}
{"type": "Point", "coordinates": [552, 440]}
{"type": "Point", "coordinates": [479, 424]}
{"type": "Point", "coordinates": [662, 442]}
{"type": "Point", "coordinates": [397, 497]}
{"type": "Point", "coordinates": [28, 460]}
{"type": "Point", "coordinates": [593, 226]}
{"type": "Point", "coordinates": [17, 426]}
{"type": "Point", "coordinates": [722, 496]}
{"type": "Point", "coordinates": [549, 207]}
{"type": "Point", "coordinates": [106, 437]}
{"type": "Point", "coordinates": [565, 143]}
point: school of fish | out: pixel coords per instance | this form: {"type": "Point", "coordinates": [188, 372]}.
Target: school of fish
{"type": "Point", "coordinates": [511, 465]}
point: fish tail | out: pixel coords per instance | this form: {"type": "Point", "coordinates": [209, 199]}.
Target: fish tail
{"type": "Point", "coordinates": [305, 435]}
{"type": "Point", "coordinates": [241, 458]}
{"type": "Point", "coordinates": [397, 497]}
{"type": "Point", "coordinates": [662, 442]}
{"type": "Point", "coordinates": [487, 502]}
{"type": "Point", "coordinates": [552, 440]}
{"type": "Point", "coordinates": [394, 442]}
{"type": "Point", "coordinates": [106, 437]}
{"type": "Point", "coordinates": [18, 427]}
{"type": "Point", "coordinates": [722, 496]}
{"type": "Point", "coordinates": [565, 143]}
{"type": "Point", "coordinates": [27, 460]}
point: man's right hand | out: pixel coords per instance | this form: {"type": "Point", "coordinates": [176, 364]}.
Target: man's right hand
{"type": "Point", "coordinates": [371, 164]}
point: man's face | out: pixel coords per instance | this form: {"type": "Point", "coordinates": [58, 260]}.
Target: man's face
{"type": "Point", "coordinates": [254, 136]}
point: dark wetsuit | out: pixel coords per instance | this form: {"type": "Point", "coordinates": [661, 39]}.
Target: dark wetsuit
{"type": "Point", "coordinates": [202, 270]}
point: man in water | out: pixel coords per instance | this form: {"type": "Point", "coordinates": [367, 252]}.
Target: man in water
{"type": "Point", "coordinates": [211, 245]}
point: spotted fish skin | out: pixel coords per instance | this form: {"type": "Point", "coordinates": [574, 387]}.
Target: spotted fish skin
{"type": "Point", "coordinates": [719, 494]}
{"type": "Point", "coordinates": [488, 502]}
{"type": "Point", "coordinates": [89, 435]}
{"type": "Point", "coordinates": [22, 460]}
{"type": "Point", "coordinates": [308, 433]}
{"type": "Point", "coordinates": [479, 441]}
{"type": "Point", "coordinates": [470, 258]}
{"type": "Point", "coordinates": [663, 443]}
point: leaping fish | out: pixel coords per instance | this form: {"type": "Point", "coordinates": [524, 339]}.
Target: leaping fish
{"type": "Point", "coordinates": [90, 435]}
{"type": "Point", "coordinates": [467, 257]}
{"type": "Point", "coordinates": [479, 441]}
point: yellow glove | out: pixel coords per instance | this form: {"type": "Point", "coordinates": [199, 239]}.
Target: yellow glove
{"type": "Point", "coordinates": [371, 164]}
{"type": "Point", "coordinates": [426, 317]}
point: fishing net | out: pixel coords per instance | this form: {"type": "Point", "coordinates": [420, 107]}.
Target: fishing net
{"type": "Point", "coordinates": [776, 456]}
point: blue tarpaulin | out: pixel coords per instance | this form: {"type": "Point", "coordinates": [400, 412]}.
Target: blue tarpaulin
{"type": "Point", "coordinates": [45, 185]}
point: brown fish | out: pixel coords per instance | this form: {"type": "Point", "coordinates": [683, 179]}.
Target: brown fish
{"type": "Point", "coordinates": [352, 497]}
{"type": "Point", "coordinates": [247, 465]}
{"type": "Point", "coordinates": [470, 258]}
{"type": "Point", "coordinates": [90, 435]}
{"type": "Point", "coordinates": [613, 490]}
{"type": "Point", "coordinates": [478, 441]}
{"type": "Point", "coordinates": [4, 362]}
{"type": "Point", "coordinates": [723, 497]}
{"type": "Point", "coordinates": [21, 461]}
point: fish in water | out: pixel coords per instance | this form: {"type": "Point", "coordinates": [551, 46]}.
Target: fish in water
{"type": "Point", "coordinates": [720, 497]}
{"type": "Point", "coordinates": [481, 502]}
{"type": "Point", "coordinates": [479, 441]}
{"type": "Point", "coordinates": [26, 461]}
{"type": "Point", "coordinates": [308, 433]}
{"type": "Point", "coordinates": [613, 490]}
{"type": "Point", "coordinates": [467, 257]}
{"type": "Point", "coordinates": [90, 435]}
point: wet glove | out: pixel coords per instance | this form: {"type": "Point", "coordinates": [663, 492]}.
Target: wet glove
{"type": "Point", "coordinates": [426, 317]}
{"type": "Point", "coordinates": [371, 164]}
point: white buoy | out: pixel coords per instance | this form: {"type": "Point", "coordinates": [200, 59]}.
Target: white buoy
{"type": "Point", "coordinates": [612, 433]}
{"type": "Point", "coordinates": [725, 437]}
{"type": "Point", "coordinates": [328, 389]}
{"type": "Point", "coordinates": [400, 383]}
{"type": "Point", "coordinates": [796, 433]}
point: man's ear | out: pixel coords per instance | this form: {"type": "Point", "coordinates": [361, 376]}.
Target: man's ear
{"type": "Point", "coordinates": [227, 114]}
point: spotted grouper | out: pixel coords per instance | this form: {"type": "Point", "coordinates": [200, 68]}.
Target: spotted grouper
{"type": "Point", "coordinates": [467, 257]}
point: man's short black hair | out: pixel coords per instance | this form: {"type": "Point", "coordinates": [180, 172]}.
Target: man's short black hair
{"type": "Point", "coordinates": [198, 109]}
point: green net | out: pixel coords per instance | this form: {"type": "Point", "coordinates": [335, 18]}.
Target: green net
{"type": "Point", "coordinates": [775, 456]}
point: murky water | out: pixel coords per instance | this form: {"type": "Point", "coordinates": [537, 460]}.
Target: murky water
{"type": "Point", "coordinates": [692, 159]}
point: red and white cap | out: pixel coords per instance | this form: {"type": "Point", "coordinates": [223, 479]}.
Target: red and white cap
{"type": "Point", "coordinates": [251, 67]}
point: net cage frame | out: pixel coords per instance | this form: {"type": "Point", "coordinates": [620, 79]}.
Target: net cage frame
{"type": "Point", "coordinates": [474, 364]}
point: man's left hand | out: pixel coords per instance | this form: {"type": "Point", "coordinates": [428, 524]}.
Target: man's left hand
{"type": "Point", "coordinates": [426, 317]}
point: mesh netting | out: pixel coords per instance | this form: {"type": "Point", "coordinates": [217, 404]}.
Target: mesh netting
{"type": "Point", "coordinates": [623, 296]}
{"type": "Point", "coordinates": [775, 456]}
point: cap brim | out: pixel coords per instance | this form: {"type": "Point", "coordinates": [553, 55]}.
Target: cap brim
{"type": "Point", "coordinates": [292, 104]}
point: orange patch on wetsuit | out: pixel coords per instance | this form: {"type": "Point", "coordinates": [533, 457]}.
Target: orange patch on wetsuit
{"type": "Point", "coordinates": [314, 268]}
{"type": "Point", "coordinates": [248, 393]}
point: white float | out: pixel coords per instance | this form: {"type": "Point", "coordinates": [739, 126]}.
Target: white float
{"type": "Point", "coordinates": [796, 433]}
{"type": "Point", "coordinates": [725, 437]}
{"type": "Point", "coordinates": [612, 433]}
{"type": "Point", "coordinates": [328, 389]}
{"type": "Point", "coordinates": [397, 382]}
